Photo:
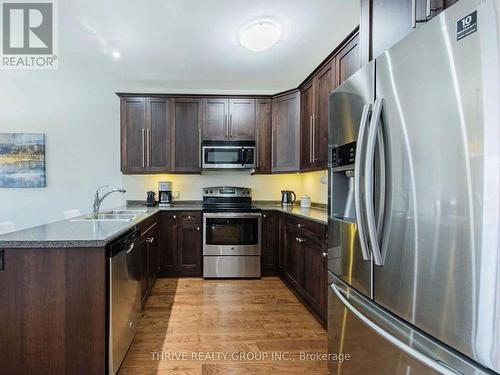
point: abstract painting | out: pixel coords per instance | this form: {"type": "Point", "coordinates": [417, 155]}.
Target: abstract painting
{"type": "Point", "coordinates": [22, 160]}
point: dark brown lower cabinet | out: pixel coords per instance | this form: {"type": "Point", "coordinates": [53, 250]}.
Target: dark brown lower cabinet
{"type": "Point", "coordinates": [270, 243]}
{"type": "Point", "coordinates": [180, 247]}
{"type": "Point", "coordinates": [304, 266]}
{"type": "Point", "coordinates": [53, 311]}
{"type": "Point", "coordinates": [314, 271]}
{"type": "Point", "coordinates": [293, 256]}
{"type": "Point", "coordinates": [149, 245]}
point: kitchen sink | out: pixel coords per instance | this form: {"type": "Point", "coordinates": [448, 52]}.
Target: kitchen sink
{"type": "Point", "coordinates": [113, 215]}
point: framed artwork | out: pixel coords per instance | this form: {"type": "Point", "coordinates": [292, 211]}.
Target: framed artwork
{"type": "Point", "coordinates": [22, 160]}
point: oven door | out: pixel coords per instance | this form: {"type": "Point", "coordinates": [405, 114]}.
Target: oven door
{"type": "Point", "coordinates": [231, 233]}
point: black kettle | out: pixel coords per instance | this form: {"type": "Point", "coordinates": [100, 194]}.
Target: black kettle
{"type": "Point", "coordinates": [288, 197]}
{"type": "Point", "coordinates": [150, 199]}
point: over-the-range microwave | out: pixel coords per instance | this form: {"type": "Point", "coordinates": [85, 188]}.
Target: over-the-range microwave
{"type": "Point", "coordinates": [228, 154]}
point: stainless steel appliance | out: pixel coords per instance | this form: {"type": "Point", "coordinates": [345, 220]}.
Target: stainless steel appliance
{"type": "Point", "coordinates": [288, 198]}
{"type": "Point", "coordinates": [414, 192]}
{"type": "Point", "coordinates": [124, 262]}
{"type": "Point", "coordinates": [231, 233]}
{"type": "Point", "coordinates": [165, 198]}
{"type": "Point", "coordinates": [228, 154]}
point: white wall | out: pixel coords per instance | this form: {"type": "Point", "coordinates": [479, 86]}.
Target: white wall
{"type": "Point", "coordinates": [79, 114]}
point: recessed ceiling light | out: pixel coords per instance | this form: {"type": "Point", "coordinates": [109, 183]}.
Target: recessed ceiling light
{"type": "Point", "coordinates": [116, 55]}
{"type": "Point", "coordinates": [260, 35]}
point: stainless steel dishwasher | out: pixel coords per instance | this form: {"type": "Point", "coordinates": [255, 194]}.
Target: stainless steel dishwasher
{"type": "Point", "coordinates": [124, 296]}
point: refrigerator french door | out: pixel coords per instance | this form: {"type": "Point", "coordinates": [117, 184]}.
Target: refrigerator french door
{"type": "Point", "coordinates": [426, 185]}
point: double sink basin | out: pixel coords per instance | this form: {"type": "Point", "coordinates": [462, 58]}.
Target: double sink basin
{"type": "Point", "coordinates": [113, 215]}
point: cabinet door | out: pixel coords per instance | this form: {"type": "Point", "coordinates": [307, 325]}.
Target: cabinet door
{"type": "Point", "coordinates": [153, 255]}
{"type": "Point", "coordinates": [286, 133]}
{"type": "Point", "coordinates": [348, 60]}
{"type": "Point", "coordinates": [186, 132]}
{"type": "Point", "coordinates": [189, 243]}
{"type": "Point", "coordinates": [168, 244]}
{"type": "Point", "coordinates": [133, 134]}
{"type": "Point", "coordinates": [293, 256]}
{"type": "Point", "coordinates": [263, 135]}
{"type": "Point", "coordinates": [143, 246]}
{"type": "Point", "coordinates": [306, 125]}
{"type": "Point", "coordinates": [314, 276]}
{"type": "Point", "coordinates": [215, 119]}
{"type": "Point", "coordinates": [270, 243]}
{"type": "Point", "coordinates": [158, 135]}
{"type": "Point", "coordinates": [242, 119]}
{"type": "Point", "coordinates": [325, 84]}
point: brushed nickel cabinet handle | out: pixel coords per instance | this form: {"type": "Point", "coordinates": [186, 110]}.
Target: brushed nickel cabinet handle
{"type": "Point", "coordinates": [413, 14]}
{"type": "Point", "coordinates": [199, 147]}
{"type": "Point", "coordinates": [230, 125]}
{"type": "Point", "coordinates": [325, 254]}
{"type": "Point", "coordinates": [150, 240]}
{"type": "Point", "coordinates": [226, 126]}
{"type": "Point", "coordinates": [143, 151]}
{"type": "Point", "coordinates": [313, 138]}
{"type": "Point", "coordinates": [148, 147]}
{"type": "Point", "coordinates": [257, 151]}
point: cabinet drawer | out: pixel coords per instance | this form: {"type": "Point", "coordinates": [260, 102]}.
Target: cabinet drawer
{"type": "Point", "coordinates": [310, 226]}
{"type": "Point", "coordinates": [190, 218]}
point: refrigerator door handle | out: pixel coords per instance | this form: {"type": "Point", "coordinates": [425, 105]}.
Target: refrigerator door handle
{"type": "Point", "coordinates": [345, 297]}
{"type": "Point", "coordinates": [363, 127]}
{"type": "Point", "coordinates": [369, 166]}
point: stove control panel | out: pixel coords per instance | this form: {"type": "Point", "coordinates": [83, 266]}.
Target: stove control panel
{"type": "Point", "coordinates": [226, 191]}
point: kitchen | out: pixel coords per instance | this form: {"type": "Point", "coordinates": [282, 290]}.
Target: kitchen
{"type": "Point", "coordinates": [339, 216]}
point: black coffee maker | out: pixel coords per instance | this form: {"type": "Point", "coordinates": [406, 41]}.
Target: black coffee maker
{"type": "Point", "coordinates": [165, 193]}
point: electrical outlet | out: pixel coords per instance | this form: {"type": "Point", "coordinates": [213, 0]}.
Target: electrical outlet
{"type": "Point", "coordinates": [176, 194]}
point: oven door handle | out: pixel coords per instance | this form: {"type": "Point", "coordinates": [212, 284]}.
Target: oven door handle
{"type": "Point", "coordinates": [232, 215]}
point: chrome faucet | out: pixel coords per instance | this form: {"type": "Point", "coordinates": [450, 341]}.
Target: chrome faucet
{"type": "Point", "coordinates": [98, 200]}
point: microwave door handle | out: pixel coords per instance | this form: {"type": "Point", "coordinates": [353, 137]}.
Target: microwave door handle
{"type": "Point", "coordinates": [242, 156]}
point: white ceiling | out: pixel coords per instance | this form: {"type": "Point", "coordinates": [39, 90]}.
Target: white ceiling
{"type": "Point", "coordinates": [186, 45]}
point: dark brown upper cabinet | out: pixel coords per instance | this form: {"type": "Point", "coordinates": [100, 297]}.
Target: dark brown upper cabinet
{"type": "Point", "coordinates": [145, 139]}
{"type": "Point", "coordinates": [133, 124]}
{"type": "Point", "coordinates": [325, 84]}
{"type": "Point", "coordinates": [263, 129]}
{"type": "Point", "coordinates": [242, 119]}
{"type": "Point", "coordinates": [286, 133]}
{"type": "Point", "coordinates": [228, 119]}
{"type": "Point", "coordinates": [186, 120]}
{"type": "Point", "coordinates": [386, 22]}
{"type": "Point", "coordinates": [314, 117]}
{"type": "Point", "coordinates": [348, 60]}
{"type": "Point", "coordinates": [307, 113]}
{"type": "Point", "coordinates": [215, 119]}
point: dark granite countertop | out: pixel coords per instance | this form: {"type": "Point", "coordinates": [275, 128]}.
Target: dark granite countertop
{"type": "Point", "coordinates": [77, 234]}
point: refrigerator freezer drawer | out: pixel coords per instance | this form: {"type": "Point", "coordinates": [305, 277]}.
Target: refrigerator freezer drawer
{"type": "Point", "coordinates": [231, 266]}
{"type": "Point", "coordinates": [379, 344]}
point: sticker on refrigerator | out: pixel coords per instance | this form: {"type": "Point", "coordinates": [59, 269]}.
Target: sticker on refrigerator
{"type": "Point", "coordinates": [467, 25]}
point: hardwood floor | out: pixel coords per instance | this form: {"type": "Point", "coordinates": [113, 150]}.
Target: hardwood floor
{"type": "Point", "coordinates": [196, 326]}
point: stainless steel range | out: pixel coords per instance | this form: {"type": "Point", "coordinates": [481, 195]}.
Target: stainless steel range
{"type": "Point", "coordinates": [231, 233]}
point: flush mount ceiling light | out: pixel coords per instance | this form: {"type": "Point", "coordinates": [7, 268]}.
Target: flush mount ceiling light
{"type": "Point", "coordinates": [260, 35]}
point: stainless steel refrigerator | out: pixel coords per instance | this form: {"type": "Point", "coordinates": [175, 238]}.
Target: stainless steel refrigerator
{"type": "Point", "coordinates": [414, 203]}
